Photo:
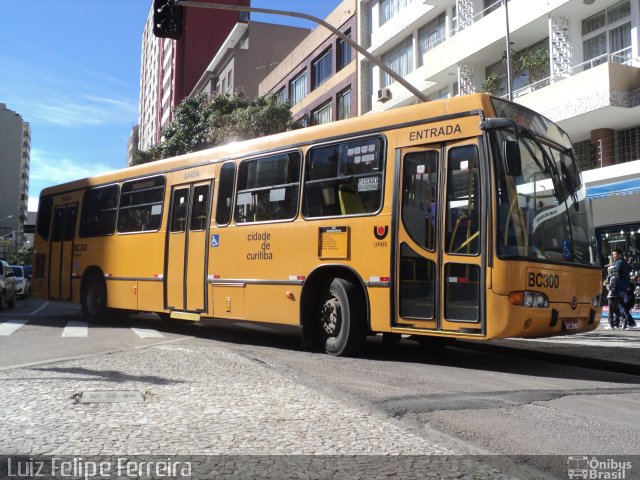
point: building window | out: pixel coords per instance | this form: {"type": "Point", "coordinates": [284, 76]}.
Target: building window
{"type": "Point", "coordinates": [344, 104]}
{"type": "Point", "coordinates": [628, 145]}
{"type": "Point", "coordinates": [608, 33]}
{"type": "Point", "coordinates": [400, 60]}
{"type": "Point", "coordinates": [443, 93]}
{"type": "Point", "coordinates": [323, 114]}
{"type": "Point", "coordinates": [321, 69]}
{"type": "Point", "coordinates": [229, 82]}
{"type": "Point", "coordinates": [298, 88]}
{"type": "Point", "coordinates": [432, 34]}
{"type": "Point", "coordinates": [390, 8]}
{"type": "Point", "coordinates": [343, 52]}
{"type": "Point", "coordinates": [281, 95]}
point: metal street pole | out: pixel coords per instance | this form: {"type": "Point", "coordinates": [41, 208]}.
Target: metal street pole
{"type": "Point", "coordinates": [238, 8]}
{"type": "Point", "coordinates": [508, 40]}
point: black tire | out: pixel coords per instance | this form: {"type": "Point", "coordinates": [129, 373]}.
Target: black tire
{"type": "Point", "coordinates": [3, 303]}
{"type": "Point", "coordinates": [94, 298]}
{"type": "Point", "coordinates": [342, 318]}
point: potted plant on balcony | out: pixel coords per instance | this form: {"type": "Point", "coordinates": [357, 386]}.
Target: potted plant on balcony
{"type": "Point", "coordinates": [491, 84]}
{"type": "Point", "coordinates": [534, 64]}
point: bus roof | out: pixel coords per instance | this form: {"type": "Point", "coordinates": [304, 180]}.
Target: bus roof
{"type": "Point", "coordinates": [353, 126]}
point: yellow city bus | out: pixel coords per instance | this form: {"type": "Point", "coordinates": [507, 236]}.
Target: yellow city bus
{"type": "Point", "coordinates": [458, 218]}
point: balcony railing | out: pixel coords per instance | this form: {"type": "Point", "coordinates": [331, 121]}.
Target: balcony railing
{"type": "Point", "coordinates": [622, 57]}
{"type": "Point", "coordinates": [461, 25]}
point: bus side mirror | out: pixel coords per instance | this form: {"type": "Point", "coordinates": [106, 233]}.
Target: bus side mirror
{"type": "Point", "coordinates": [512, 160]}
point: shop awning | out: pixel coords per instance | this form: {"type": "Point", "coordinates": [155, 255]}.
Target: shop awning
{"type": "Point", "coordinates": [626, 187]}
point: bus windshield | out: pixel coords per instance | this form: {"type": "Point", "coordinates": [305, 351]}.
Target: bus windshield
{"type": "Point", "coordinates": [543, 211]}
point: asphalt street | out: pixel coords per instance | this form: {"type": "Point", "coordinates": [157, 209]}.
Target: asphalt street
{"type": "Point", "coordinates": [231, 415]}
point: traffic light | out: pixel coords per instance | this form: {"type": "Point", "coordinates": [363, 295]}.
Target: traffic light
{"type": "Point", "coordinates": [167, 19]}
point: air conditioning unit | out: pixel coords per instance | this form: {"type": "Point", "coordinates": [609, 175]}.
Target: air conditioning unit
{"type": "Point", "coordinates": [384, 94]}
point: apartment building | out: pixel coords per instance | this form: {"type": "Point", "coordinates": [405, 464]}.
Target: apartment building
{"type": "Point", "coordinates": [575, 61]}
{"type": "Point", "coordinates": [249, 53]}
{"type": "Point", "coordinates": [170, 69]}
{"type": "Point", "coordinates": [15, 157]}
{"type": "Point", "coordinates": [319, 77]}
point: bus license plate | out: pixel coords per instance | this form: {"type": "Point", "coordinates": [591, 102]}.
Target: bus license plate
{"type": "Point", "coordinates": [571, 324]}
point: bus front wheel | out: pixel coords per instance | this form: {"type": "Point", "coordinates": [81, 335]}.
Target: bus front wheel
{"type": "Point", "coordinates": [342, 329]}
{"type": "Point", "coordinates": [94, 298]}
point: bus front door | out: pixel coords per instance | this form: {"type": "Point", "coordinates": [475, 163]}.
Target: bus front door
{"type": "Point", "coordinates": [61, 251]}
{"type": "Point", "coordinates": [438, 263]}
{"type": "Point", "coordinates": [187, 248]}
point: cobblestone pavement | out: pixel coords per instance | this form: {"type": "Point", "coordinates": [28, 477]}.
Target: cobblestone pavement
{"type": "Point", "coordinates": [201, 400]}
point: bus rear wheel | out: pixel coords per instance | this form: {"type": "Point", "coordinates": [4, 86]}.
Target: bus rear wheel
{"type": "Point", "coordinates": [94, 298]}
{"type": "Point", "coordinates": [341, 322]}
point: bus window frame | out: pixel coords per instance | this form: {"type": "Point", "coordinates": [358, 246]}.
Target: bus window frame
{"type": "Point", "coordinates": [82, 210]}
{"type": "Point", "coordinates": [142, 179]}
{"type": "Point", "coordinates": [236, 190]}
{"type": "Point", "coordinates": [217, 193]}
{"type": "Point", "coordinates": [40, 218]}
{"type": "Point", "coordinates": [383, 173]}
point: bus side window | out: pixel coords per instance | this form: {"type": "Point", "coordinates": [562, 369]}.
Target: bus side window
{"type": "Point", "coordinates": [268, 188]}
{"type": "Point", "coordinates": [225, 193]}
{"type": "Point", "coordinates": [45, 211]}
{"type": "Point", "coordinates": [99, 209]}
{"type": "Point", "coordinates": [344, 178]}
{"type": "Point", "coordinates": [141, 205]}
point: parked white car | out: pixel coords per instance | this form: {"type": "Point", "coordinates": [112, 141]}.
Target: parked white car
{"type": "Point", "coordinates": [23, 282]}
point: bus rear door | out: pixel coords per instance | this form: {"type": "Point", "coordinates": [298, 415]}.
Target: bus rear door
{"type": "Point", "coordinates": [438, 263]}
{"type": "Point", "coordinates": [61, 251]}
{"type": "Point", "coordinates": [187, 248]}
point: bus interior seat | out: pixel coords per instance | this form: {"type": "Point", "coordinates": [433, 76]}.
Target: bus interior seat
{"type": "Point", "coordinates": [350, 201]}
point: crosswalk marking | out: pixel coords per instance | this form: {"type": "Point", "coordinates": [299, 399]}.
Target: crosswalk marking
{"type": "Point", "coordinates": [147, 333]}
{"type": "Point", "coordinates": [73, 329]}
{"type": "Point", "coordinates": [10, 326]}
{"type": "Point", "coordinates": [76, 329]}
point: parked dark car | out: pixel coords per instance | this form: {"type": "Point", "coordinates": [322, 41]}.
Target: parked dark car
{"type": "Point", "coordinates": [7, 286]}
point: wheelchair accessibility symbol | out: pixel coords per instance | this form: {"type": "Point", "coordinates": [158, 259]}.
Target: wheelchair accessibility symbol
{"type": "Point", "coordinates": [215, 240]}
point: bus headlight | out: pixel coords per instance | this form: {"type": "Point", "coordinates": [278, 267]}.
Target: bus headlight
{"type": "Point", "coordinates": [529, 299]}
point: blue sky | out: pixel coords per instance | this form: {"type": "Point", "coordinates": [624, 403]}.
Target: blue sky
{"type": "Point", "coordinates": [71, 68]}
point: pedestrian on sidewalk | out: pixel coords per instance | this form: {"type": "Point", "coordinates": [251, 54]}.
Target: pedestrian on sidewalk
{"type": "Point", "coordinates": [610, 283]}
{"type": "Point", "coordinates": [621, 290]}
